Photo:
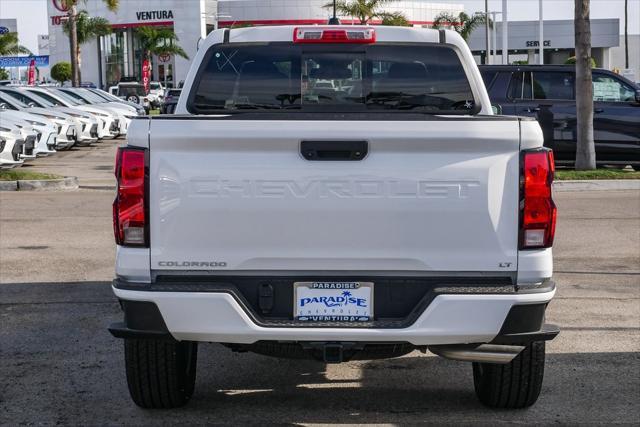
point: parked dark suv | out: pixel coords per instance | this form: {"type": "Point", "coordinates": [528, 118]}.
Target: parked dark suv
{"type": "Point", "coordinates": [547, 92]}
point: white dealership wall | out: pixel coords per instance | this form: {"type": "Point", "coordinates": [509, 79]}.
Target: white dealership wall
{"type": "Point", "coordinates": [192, 18]}
{"type": "Point", "coordinates": [188, 17]}
{"type": "Point", "coordinates": [291, 12]}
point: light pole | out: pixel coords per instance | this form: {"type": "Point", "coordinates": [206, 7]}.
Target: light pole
{"type": "Point", "coordinates": [540, 35]}
{"type": "Point", "coordinates": [486, 30]}
{"type": "Point", "coordinates": [494, 32]}
{"type": "Point", "coordinates": [505, 40]}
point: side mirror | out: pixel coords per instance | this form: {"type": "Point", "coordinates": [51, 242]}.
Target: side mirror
{"type": "Point", "coordinates": [3, 106]}
{"type": "Point", "coordinates": [638, 96]}
{"type": "Point", "coordinates": [497, 109]}
{"type": "Point", "coordinates": [31, 104]}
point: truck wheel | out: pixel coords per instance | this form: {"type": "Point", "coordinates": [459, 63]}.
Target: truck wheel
{"type": "Point", "coordinates": [160, 374]}
{"type": "Point", "coordinates": [514, 385]}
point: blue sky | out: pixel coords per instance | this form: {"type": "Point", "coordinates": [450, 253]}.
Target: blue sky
{"type": "Point", "coordinates": [32, 14]}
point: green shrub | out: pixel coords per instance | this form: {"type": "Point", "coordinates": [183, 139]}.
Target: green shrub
{"type": "Point", "coordinates": [61, 72]}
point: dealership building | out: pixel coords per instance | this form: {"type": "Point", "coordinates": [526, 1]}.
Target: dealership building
{"type": "Point", "coordinates": [109, 59]}
{"type": "Point", "coordinates": [118, 55]}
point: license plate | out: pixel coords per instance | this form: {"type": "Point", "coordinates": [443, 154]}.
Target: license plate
{"type": "Point", "coordinates": [333, 301]}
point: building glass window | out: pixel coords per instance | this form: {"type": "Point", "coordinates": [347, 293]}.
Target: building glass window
{"type": "Point", "coordinates": [116, 54]}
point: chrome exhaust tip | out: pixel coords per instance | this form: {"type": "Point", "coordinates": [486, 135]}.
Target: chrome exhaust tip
{"type": "Point", "coordinates": [483, 353]}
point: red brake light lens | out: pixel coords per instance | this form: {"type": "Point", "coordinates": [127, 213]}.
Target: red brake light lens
{"type": "Point", "coordinates": [130, 213]}
{"type": "Point", "coordinates": [538, 214]}
{"type": "Point", "coordinates": [334, 35]}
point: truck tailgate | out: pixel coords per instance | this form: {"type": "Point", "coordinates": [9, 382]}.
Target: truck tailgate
{"type": "Point", "coordinates": [430, 195]}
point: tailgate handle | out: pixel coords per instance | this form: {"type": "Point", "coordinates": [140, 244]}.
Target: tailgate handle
{"type": "Point", "coordinates": [334, 150]}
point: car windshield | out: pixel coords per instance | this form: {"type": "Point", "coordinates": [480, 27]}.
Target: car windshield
{"type": "Point", "coordinates": [105, 95]}
{"type": "Point", "coordinates": [155, 86]}
{"type": "Point", "coordinates": [379, 77]}
{"type": "Point", "coordinates": [11, 100]}
{"type": "Point", "coordinates": [72, 99]}
{"type": "Point", "coordinates": [90, 96]}
{"type": "Point", "coordinates": [75, 94]}
{"type": "Point", "coordinates": [39, 101]}
{"type": "Point", "coordinates": [61, 97]}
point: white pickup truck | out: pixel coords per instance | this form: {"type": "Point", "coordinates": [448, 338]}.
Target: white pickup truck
{"type": "Point", "coordinates": [387, 212]}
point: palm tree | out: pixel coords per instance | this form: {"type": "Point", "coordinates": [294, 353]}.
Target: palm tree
{"type": "Point", "coordinates": [72, 14]}
{"type": "Point", "coordinates": [365, 10]}
{"type": "Point", "coordinates": [159, 41]}
{"type": "Point", "coordinates": [463, 24]}
{"type": "Point", "coordinates": [9, 45]}
{"type": "Point", "coordinates": [395, 19]}
{"type": "Point", "coordinates": [87, 29]}
{"type": "Point", "coordinates": [585, 149]}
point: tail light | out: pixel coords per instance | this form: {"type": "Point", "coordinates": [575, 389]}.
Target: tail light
{"type": "Point", "coordinates": [131, 208]}
{"type": "Point", "coordinates": [334, 35]}
{"type": "Point", "coordinates": [537, 209]}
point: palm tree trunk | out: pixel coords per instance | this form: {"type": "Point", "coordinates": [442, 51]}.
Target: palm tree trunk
{"type": "Point", "coordinates": [626, 34]}
{"type": "Point", "coordinates": [73, 40]}
{"type": "Point", "coordinates": [585, 150]}
{"type": "Point", "coordinates": [79, 62]}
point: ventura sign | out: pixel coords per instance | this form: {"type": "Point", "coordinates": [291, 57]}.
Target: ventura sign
{"type": "Point", "coordinates": [151, 15]}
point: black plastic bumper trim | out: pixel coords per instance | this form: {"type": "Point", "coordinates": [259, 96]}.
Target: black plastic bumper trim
{"type": "Point", "coordinates": [546, 333]}
{"type": "Point", "coordinates": [120, 330]}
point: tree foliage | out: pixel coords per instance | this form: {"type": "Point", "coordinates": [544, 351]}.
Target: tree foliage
{"type": "Point", "coordinates": [159, 41]}
{"type": "Point", "coordinates": [9, 45]}
{"type": "Point", "coordinates": [572, 60]}
{"type": "Point", "coordinates": [4, 75]}
{"type": "Point", "coordinates": [367, 10]}
{"type": "Point", "coordinates": [463, 23]}
{"type": "Point", "coordinates": [88, 27]}
{"type": "Point", "coordinates": [395, 19]}
{"type": "Point", "coordinates": [61, 72]}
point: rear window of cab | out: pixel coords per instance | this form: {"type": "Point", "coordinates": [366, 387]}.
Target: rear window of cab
{"type": "Point", "coordinates": [426, 78]}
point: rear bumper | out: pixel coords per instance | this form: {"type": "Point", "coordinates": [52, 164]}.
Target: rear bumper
{"type": "Point", "coordinates": [222, 317]}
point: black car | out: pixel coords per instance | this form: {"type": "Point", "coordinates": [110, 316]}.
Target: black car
{"type": "Point", "coordinates": [170, 101]}
{"type": "Point", "coordinates": [547, 92]}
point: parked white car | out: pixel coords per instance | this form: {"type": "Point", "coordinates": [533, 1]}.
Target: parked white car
{"type": "Point", "coordinates": [67, 123]}
{"type": "Point", "coordinates": [125, 113]}
{"type": "Point", "coordinates": [46, 129]}
{"type": "Point", "coordinates": [28, 134]}
{"type": "Point", "coordinates": [109, 97]}
{"type": "Point", "coordinates": [11, 144]}
{"type": "Point", "coordinates": [108, 122]}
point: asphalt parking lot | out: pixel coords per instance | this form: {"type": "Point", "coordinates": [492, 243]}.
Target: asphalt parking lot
{"type": "Point", "coordinates": [59, 364]}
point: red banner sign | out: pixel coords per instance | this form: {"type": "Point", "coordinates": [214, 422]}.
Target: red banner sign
{"type": "Point", "coordinates": [32, 73]}
{"type": "Point", "coordinates": [146, 74]}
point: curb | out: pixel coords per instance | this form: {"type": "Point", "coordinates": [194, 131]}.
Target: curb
{"type": "Point", "coordinates": [66, 183]}
{"type": "Point", "coordinates": [8, 185]}
{"type": "Point", "coordinates": [597, 185]}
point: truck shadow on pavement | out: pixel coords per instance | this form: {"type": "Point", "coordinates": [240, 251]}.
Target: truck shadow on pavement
{"type": "Point", "coordinates": [60, 365]}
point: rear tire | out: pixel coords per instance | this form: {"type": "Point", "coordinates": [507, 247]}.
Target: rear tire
{"type": "Point", "coordinates": [160, 374]}
{"type": "Point", "coordinates": [514, 385]}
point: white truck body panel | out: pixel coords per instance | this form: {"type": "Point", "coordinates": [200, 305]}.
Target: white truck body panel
{"type": "Point", "coordinates": [429, 196]}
